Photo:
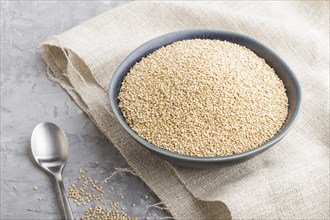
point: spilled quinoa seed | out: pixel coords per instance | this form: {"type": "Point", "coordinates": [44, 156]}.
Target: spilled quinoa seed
{"type": "Point", "coordinates": [101, 213]}
{"type": "Point", "coordinates": [91, 194]}
{"type": "Point", "coordinates": [204, 98]}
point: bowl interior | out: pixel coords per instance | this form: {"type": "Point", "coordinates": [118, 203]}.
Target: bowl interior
{"type": "Point", "coordinates": [282, 70]}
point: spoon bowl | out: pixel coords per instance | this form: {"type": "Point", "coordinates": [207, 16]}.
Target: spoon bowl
{"type": "Point", "coordinates": [50, 150]}
{"type": "Point", "coordinates": [49, 147]}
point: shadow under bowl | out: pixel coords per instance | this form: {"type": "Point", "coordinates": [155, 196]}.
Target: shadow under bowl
{"type": "Point", "coordinates": [282, 70]}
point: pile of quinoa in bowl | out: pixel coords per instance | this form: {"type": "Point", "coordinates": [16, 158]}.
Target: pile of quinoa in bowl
{"type": "Point", "coordinates": [204, 97]}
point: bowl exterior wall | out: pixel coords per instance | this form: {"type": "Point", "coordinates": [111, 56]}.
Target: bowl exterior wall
{"type": "Point", "coordinates": [282, 70]}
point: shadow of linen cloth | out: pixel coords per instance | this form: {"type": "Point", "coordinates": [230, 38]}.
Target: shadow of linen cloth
{"type": "Point", "coordinates": [290, 180]}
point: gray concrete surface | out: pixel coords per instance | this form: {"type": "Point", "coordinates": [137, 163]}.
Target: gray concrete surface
{"type": "Point", "coordinates": [28, 97]}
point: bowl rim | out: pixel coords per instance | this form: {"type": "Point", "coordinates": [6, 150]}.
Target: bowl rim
{"type": "Point", "coordinates": [201, 159]}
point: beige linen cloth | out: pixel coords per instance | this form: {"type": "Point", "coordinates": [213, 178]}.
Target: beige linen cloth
{"type": "Point", "coordinates": [288, 181]}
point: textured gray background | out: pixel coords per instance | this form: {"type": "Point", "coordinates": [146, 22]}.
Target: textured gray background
{"type": "Point", "coordinates": [28, 97]}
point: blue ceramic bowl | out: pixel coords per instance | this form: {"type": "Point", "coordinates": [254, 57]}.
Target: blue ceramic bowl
{"type": "Point", "coordinates": [282, 70]}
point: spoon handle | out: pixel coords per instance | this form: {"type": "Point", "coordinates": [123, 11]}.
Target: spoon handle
{"type": "Point", "coordinates": [64, 199]}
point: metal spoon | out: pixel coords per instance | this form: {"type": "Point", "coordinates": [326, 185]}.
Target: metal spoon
{"type": "Point", "coordinates": [50, 150]}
